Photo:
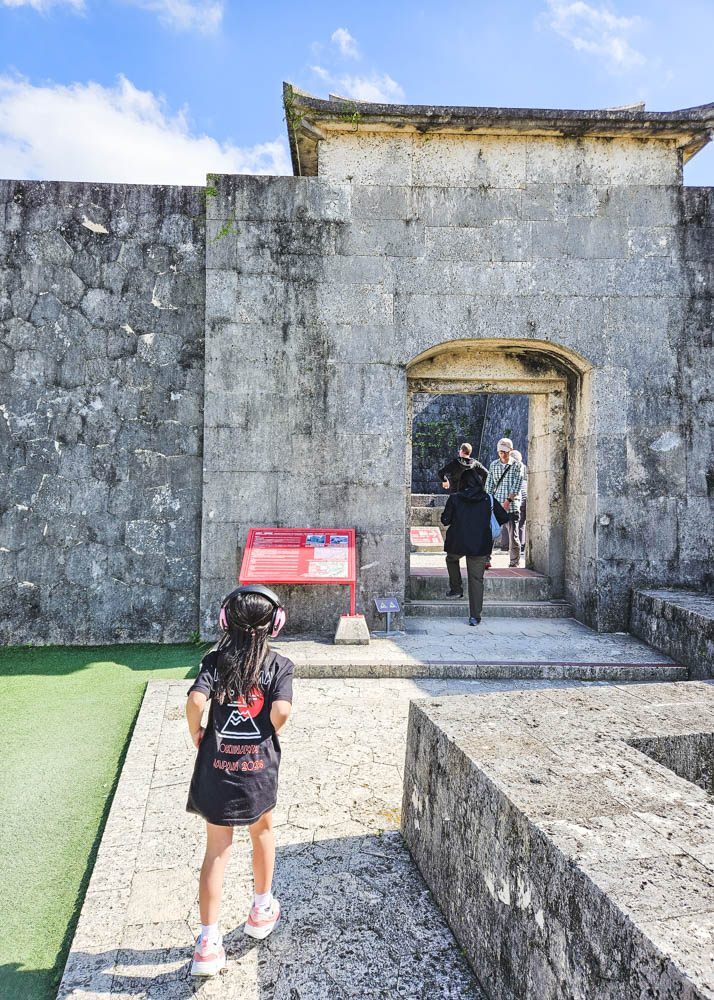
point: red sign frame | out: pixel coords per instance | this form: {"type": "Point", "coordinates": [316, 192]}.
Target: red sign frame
{"type": "Point", "coordinates": [300, 555]}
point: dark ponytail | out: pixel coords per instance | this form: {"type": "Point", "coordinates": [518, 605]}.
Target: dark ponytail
{"type": "Point", "coordinates": [243, 647]}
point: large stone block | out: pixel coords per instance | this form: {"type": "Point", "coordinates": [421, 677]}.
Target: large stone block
{"type": "Point", "coordinates": [241, 497]}
{"type": "Point", "coordinates": [468, 161]}
{"type": "Point", "coordinates": [366, 158]}
{"type": "Point", "coordinates": [601, 162]}
{"type": "Point", "coordinates": [458, 243]}
{"type": "Point", "coordinates": [381, 201]}
{"type": "Point", "coordinates": [569, 851]}
{"type": "Point", "coordinates": [444, 206]}
{"type": "Point", "coordinates": [390, 237]}
{"type": "Point", "coordinates": [679, 623]}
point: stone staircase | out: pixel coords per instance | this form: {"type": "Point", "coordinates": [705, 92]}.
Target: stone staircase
{"type": "Point", "coordinates": [514, 593]}
{"type": "Point", "coordinates": [426, 513]}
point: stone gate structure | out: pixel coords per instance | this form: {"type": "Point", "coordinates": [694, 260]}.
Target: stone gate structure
{"type": "Point", "coordinates": [167, 385]}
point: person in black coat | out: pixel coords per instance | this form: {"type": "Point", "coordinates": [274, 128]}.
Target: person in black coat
{"type": "Point", "coordinates": [451, 474]}
{"type": "Point", "coordinates": [468, 516]}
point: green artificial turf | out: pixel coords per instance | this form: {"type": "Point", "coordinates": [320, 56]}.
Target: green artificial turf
{"type": "Point", "coordinates": [66, 718]}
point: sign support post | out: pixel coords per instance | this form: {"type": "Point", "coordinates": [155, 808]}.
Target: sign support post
{"type": "Point", "coordinates": [388, 606]}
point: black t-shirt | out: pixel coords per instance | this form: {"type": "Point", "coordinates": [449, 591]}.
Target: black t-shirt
{"type": "Point", "coordinates": [235, 778]}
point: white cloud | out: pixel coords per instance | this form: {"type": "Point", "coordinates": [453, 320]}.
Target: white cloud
{"type": "Point", "coordinates": [86, 132]}
{"type": "Point", "coordinates": [379, 88]}
{"type": "Point", "coordinates": [204, 16]}
{"type": "Point", "coordinates": [598, 31]}
{"type": "Point", "coordinates": [43, 5]}
{"type": "Point", "coordinates": [346, 43]}
{"type": "Point", "coordinates": [374, 87]}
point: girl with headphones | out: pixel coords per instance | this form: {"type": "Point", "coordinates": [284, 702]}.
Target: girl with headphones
{"type": "Point", "coordinates": [235, 778]}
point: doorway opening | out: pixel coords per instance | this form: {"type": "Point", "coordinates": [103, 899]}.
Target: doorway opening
{"type": "Point", "coordinates": [478, 392]}
{"type": "Point", "coordinates": [441, 424]}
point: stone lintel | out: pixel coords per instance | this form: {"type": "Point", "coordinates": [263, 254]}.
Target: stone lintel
{"type": "Point", "coordinates": [310, 118]}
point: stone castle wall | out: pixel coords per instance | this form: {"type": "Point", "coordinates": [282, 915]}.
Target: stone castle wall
{"type": "Point", "coordinates": [102, 356]}
{"type": "Point", "coordinates": [314, 304]}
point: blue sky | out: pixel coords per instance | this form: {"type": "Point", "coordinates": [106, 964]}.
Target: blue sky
{"type": "Point", "coordinates": [165, 90]}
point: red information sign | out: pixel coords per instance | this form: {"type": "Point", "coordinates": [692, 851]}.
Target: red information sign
{"type": "Point", "coordinates": [300, 555]}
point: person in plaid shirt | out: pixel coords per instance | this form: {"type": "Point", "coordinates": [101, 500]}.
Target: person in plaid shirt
{"type": "Point", "coordinates": [504, 481]}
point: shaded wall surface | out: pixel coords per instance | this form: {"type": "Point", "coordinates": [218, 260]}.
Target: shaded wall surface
{"type": "Point", "coordinates": [101, 354]}
{"type": "Point", "coordinates": [442, 422]}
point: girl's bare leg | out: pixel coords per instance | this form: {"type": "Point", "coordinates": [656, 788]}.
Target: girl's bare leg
{"type": "Point", "coordinates": [261, 834]}
{"type": "Point", "coordinates": [218, 850]}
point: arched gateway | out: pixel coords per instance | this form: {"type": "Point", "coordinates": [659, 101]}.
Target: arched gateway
{"type": "Point", "coordinates": [560, 466]}
{"type": "Point", "coordinates": [479, 250]}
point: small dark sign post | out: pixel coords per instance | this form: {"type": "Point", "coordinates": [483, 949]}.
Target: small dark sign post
{"type": "Point", "coordinates": [388, 606]}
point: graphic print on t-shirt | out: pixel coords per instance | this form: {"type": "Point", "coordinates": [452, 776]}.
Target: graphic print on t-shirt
{"type": "Point", "coordinates": [240, 724]}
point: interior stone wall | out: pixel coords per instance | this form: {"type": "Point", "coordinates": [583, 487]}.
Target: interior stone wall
{"type": "Point", "coordinates": [101, 361]}
{"type": "Point", "coordinates": [442, 422]}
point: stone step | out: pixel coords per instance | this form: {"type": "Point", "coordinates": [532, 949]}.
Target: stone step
{"type": "Point", "coordinates": [505, 588]}
{"type": "Point", "coordinates": [429, 499]}
{"type": "Point", "coordinates": [491, 608]}
{"type": "Point", "coordinates": [426, 517]}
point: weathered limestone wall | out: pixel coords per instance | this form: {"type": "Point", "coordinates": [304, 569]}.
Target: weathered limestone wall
{"type": "Point", "coordinates": [694, 383]}
{"type": "Point", "coordinates": [586, 255]}
{"type": "Point", "coordinates": [404, 242]}
{"type": "Point", "coordinates": [101, 354]}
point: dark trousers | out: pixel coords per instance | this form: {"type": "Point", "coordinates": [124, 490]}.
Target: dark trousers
{"type": "Point", "coordinates": [475, 566]}
{"type": "Point", "coordinates": [514, 544]}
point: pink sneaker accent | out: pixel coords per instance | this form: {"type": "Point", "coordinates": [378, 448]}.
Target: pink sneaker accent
{"type": "Point", "coordinates": [260, 923]}
{"type": "Point", "coordinates": [209, 957]}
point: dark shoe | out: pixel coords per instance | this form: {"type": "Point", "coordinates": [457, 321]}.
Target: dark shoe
{"type": "Point", "coordinates": [454, 593]}
{"type": "Point", "coordinates": [474, 621]}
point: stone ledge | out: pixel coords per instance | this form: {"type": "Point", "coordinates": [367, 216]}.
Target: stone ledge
{"type": "Point", "coordinates": [567, 862]}
{"type": "Point", "coordinates": [679, 623]}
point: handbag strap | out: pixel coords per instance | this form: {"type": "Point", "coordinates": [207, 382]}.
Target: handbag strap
{"type": "Point", "coordinates": [503, 476]}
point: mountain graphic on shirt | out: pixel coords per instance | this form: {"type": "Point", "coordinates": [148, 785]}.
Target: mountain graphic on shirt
{"type": "Point", "coordinates": [239, 725]}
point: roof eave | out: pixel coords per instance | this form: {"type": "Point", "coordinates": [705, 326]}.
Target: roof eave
{"type": "Point", "coordinates": [309, 118]}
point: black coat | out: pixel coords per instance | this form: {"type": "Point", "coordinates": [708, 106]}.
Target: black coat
{"type": "Point", "coordinates": [457, 467]}
{"type": "Point", "coordinates": [468, 515]}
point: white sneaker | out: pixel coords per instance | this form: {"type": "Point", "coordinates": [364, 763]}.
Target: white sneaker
{"type": "Point", "coordinates": [262, 922]}
{"type": "Point", "coordinates": [209, 956]}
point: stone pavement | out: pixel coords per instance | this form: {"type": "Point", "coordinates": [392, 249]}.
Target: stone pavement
{"type": "Point", "coordinates": [359, 921]}
{"type": "Point", "coordinates": [505, 648]}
